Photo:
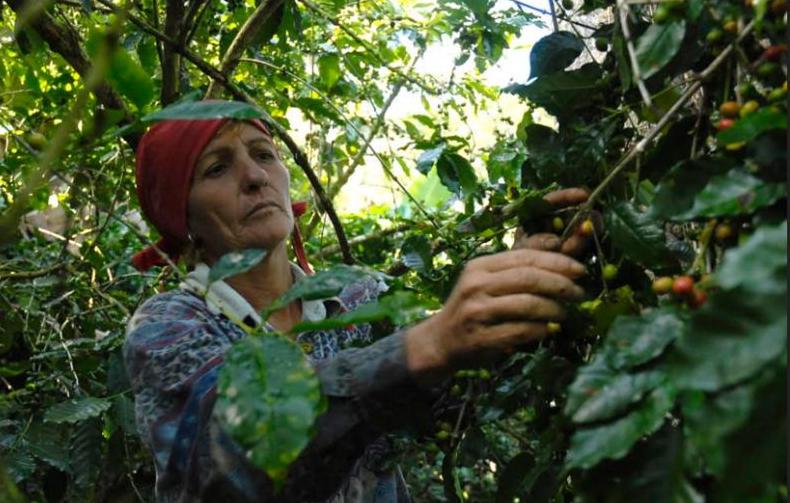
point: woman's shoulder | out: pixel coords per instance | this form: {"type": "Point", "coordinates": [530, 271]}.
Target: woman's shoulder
{"type": "Point", "coordinates": [166, 313]}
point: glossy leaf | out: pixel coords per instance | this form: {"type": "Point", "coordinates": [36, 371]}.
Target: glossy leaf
{"type": "Point", "coordinates": [329, 69]}
{"type": "Point", "coordinates": [456, 173]}
{"type": "Point", "coordinates": [85, 453]}
{"type": "Point", "coordinates": [416, 253]}
{"type": "Point", "coordinates": [635, 340]}
{"type": "Point", "coordinates": [235, 263]}
{"type": "Point", "coordinates": [658, 45]}
{"type": "Point", "coordinates": [600, 392]}
{"type": "Point", "coordinates": [749, 127]}
{"type": "Point", "coordinates": [637, 235]}
{"type": "Point", "coordinates": [76, 410]}
{"type": "Point", "coordinates": [20, 465]}
{"type": "Point", "coordinates": [613, 440]}
{"type": "Point", "coordinates": [562, 92]}
{"type": "Point", "coordinates": [48, 442]}
{"type": "Point", "coordinates": [205, 110]}
{"type": "Point", "coordinates": [554, 52]}
{"type": "Point", "coordinates": [399, 308]}
{"type": "Point", "coordinates": [269, 398]}
{"type": "Point", "coordinates": [759, 263]}
{"type": "Point", "coordinates": [677, 190]}
{"type": "Point", "coordinates": [734, 193]}
{"type": "Point", "coordinates": [428, 158]}
{"type": "Point", "coordinates": [324, 284]}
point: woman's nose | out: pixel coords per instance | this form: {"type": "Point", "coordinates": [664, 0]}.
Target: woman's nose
{"type": "Point", "coordinates": [254, 176]}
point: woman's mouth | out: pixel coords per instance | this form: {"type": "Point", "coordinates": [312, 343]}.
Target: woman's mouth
{"type": "Point", "coordinates": [260, 207]}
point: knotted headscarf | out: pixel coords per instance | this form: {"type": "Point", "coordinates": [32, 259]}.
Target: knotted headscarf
{"type": "Point", "coordinates": [166, 159]}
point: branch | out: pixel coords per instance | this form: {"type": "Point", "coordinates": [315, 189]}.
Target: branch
{"type": "Point", "coordinates": [257, 20]}
{"type": "Point", "coordinates": [22, 275]}
{"type": "Point", "coordinates": [335, 21]}
{"type": "Point", "coordinates": [622, 8]}
{"type": "Point", "coordinates": [521, 5]}
{"type": "Point", "coordinates": [171, 60]}
{"type": "Point", "coordinates": [334, 249]}
{"type": "Point", "coordinates": [299, 157]}
{"type": "Point", "coordinates": [68, 44]}
{"type": "Point", "coordinates": [54, 151]}
{"type": "Point", "coordinates": [669, 115]}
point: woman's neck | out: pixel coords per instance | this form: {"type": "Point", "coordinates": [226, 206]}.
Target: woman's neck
{"type": "Point", "coordinates": [265, 282]}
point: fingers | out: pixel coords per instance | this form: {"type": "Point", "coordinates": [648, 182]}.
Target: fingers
{"type": "Point", "coordinates": [532, 280]}
{"type": "Point", "coordinates": [513, 259]}
{"type": "Point", "coordinates": [567, 197]}
{"type": "Point", "coordinates": [507, 335]}
{"type": "Point", "coordinates": [543, 241]}
{"type": "Point", "coordinates": [574, 245]}
{"type": "Point", "coordinates": [522, 307]}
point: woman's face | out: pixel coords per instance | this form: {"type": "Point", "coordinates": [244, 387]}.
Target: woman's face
{"type": "Point", "coordinates": [239, 194]}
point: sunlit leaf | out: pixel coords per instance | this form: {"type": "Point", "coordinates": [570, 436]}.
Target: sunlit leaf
{"type": "Point", "coordinates": [235, 263]}
{"type": "Point", "coordinates": [658, 45]}
{"type": "Point", "coordinates": [205, 110]}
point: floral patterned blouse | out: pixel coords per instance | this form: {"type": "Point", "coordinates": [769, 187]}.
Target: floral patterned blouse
{"type": "Point", "coordinates": [173, 351]}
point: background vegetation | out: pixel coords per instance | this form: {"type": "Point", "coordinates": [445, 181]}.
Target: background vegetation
{"type": "Point", "coordinates": [666, 385]}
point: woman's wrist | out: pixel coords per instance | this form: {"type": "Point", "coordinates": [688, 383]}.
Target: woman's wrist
{"type": "Point", "coordinates": [426, 357]}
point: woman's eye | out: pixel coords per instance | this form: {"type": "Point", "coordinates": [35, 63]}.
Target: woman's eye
{"type": "Point", "coordinates": [263, 155]}
{"type": "Point", "coordinates": [215, 170]}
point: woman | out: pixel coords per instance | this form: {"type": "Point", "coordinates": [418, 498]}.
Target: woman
{"type": "Point", "coordinates": [214, 186]}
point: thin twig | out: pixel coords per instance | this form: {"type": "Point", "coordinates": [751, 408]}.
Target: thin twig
{"type": "Point", "coordinates": [23, 275]}
{"type": "Point", "coordinates": [358, 240]}
{"type": "Point", "coordinates": [520, 5]}
{"type": "Point", "coordinates": [669, 115]}
{"type": "Point", "coordinates": [254, 23]}
{"type": "Point", "coordinates": [553, 15]}
{"type": "Point", "coordinates": [622, 8]}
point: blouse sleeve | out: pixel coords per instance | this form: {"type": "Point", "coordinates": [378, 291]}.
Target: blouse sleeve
{"type": "Point", "coordinates": [173, 353]}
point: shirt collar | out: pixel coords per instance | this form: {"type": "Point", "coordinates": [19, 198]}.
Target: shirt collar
{"type": "Point", "coordinates": [221, 298]}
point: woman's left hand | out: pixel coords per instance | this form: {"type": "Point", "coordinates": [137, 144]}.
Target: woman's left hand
{"type": "Point", "coordinates": [575, 244]}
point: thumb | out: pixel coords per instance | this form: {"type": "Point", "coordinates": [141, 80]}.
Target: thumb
{"type": "Point", "coordinates": [543, 241]}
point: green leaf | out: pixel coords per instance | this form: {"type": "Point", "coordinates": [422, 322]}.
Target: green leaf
{"type": "Point", "coordinates": [749, 127]}
{"type": "Point", "coordinates": [130, 79]}
{"type": "Point", "coordinates": [323, 285]}
{"type": "Point", "coordinates": [235, 263]}
{"type": "Point", "coordinates": [400, 308]}
{"type": "Point", "coordinates": [85, 453]}
{"type": "Point", "coordinates": [554, 52]}
{"type": "Point", "coordinates": [743, 327]}
{"type": "Point", "coordinates": [760, 263]}
{"type": "Point", "coordinates": [329, 69]}
{"type": "Point", "coordinates": [146, 53]}
{"type": "Point", "coordinates": [205, 110]}
{"type": "Point", "coordinates": [658, 45]}
{"type": "Point", "coordinates": [636, 340]}
{"type": "Point", "coordinates": [269, 398]}
{"type": "Point", "coordinates": [561, 93]}
{"type": "Point", "coordinates": [123, 414]}
{"type": "Point", "coordinates": [456, 173]}
{"type": "Point", "coordinates": [48, 442]}
{"type": "Point", "coordinates": [734, 193]}
{"type": "Point", "coordinates": [676, 192]}
{"type": "Point", "coordinates": [76, 410]}
{"type": "Point", "coordinates": [428, 158]}
{"type": "Point", "coordinates": [599, 392]}
{"type": "Point", "coordinates": [417, 254]}
{"type": "Point", "coordinates": [20, 464]}
{"type": "Point", "coordinates": [591, 445]}
{"type": "Point", "coordinates": [637, 235]}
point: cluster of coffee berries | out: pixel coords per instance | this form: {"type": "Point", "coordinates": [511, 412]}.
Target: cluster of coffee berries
{"type": "Point", "coordinates": [683, 288]}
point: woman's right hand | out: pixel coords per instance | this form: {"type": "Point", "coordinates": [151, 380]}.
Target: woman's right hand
{"type": "Point", "coordinates": [500, 301]}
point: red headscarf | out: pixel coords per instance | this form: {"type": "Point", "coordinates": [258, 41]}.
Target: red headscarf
{"type": "Point", "coordinates": [166, 158]}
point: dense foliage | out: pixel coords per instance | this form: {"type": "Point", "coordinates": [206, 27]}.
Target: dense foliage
{"type": "Point", "coordinates": [667, 384]}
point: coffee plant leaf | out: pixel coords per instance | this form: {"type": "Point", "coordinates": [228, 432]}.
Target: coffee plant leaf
{"type": "Point", "coordinates": [658, 45]}
{"type": "Point", "coordinates": [19, 464]}
{"type": "Point", "coordinates": [428, 159]}
{"type": "Point", "coordinates": [76, 410]}
{"type": "Point", "coordinates": [189, 110]}
{"type": "Point", "coordinates": [554, 52]}
{"type": "Point", "coordinates": [269, 398]}
{"type": "Point", "coordinates": [456, 173]}
{"type": "Point", "coordinates": [600, 392]}
{"type": "Point", "coordinates": [416, 254]}
{"type": "Point", "coordinates": [637, 235]}
{"type": "Point", "coordinates": [85, 453]}
{"type": "Point", "coordinates": [733, 336]}
{"type": "Point", "coordinates": [677, 190]}
{"type": "Point", "coordinates": [750, 127]}
{"type": "Point", "coordinates": [561, 93]}
{"type": "Point", "coordinates": [759, 264]}
{"type": "Point", "coordinates": [234, 263]}
{"type": "Point", "coordinates": [48, 442]}
{"type": "Point", "coordinates": [398, 307]}
{"type": "Point", "coordinates": [636, 340]}
{"type": "Point", "coordinates": [612, 440]}
{"type": "Point", "coordinates": [733, 193]}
